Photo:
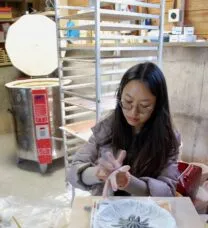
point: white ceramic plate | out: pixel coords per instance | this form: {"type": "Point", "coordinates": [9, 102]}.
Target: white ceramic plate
{"type": "Point", "coordinates": [129, 213]}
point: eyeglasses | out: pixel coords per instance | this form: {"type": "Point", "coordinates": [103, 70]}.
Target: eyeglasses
{"type": "Point", "coordinates": [141, 110]}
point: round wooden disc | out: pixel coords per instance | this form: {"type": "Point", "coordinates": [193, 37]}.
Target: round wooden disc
{"type": "Point", "coordinates": [32, 46]}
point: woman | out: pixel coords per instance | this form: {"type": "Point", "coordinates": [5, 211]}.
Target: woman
{"type": "Point", "coordinates": [141, 127]}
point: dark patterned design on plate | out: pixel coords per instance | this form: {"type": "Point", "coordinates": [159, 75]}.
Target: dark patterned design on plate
{"type": "Point", "coordinates": [132, 222]}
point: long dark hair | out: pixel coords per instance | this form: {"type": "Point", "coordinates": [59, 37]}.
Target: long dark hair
{"type": "Point", "coordinates": [148, 151]}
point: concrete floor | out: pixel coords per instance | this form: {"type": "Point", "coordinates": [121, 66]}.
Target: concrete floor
{"type": "Point", "coordinates": [27, 194]}
{"type": "Point", "coordinates": [24, 180]}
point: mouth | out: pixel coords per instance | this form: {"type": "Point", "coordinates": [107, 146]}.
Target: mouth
{"type": "Point", "coordinates": [133, 120]}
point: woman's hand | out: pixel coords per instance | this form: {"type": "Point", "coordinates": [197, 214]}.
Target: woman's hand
{"type": "Point", "coordinates": [102, 174]}
{"type": "Point", "coordinates": [107, 164]}
{"type": "Point", "coordinates": [122, 179]}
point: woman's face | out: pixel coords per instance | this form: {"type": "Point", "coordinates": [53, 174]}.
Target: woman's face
{"type": "Point", "coordinates": [137, 103]}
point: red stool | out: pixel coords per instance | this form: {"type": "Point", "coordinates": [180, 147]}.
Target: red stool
{"type": "Point", "coordinates": [189, 180]}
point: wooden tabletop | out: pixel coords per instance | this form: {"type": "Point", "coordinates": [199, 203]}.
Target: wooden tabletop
{"type": "Point", "coordinates": [181, 208]}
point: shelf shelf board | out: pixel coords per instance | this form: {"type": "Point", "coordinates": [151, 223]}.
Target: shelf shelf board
{"type": "Point", "coordinates": [71, 59]}
{"type": "Point", "coordinates": [107, 103]}
{"type": "Point", "coordinates": [89, 85]}
{"type": "Point", "coordinates": [133, 3]}
{"type": "Point", "coordinates": [111, 15]}
{"type": "Point", "coordinates": [80, 129]}
{"type": "Point", "coordinates": [110, 61]}
{"type": "Point", "coordinates": [29, 1]}
{"type": "Point", "coordinates": [113, 47]}
{"type": "Point", "coordinates": [77, 8]}
{"type": "Point", "coordinates": [5, 64]}
{"type": "Point", "coordinates": [132, 38]}
{"type": "Point", "coordinates": [108, 26]}
{"type": "Point", "coordinates": [78, 115]}
{"type": "Point", "coordinates": [130, 2]}
{"type": "Point", "coordinates": [127, 59]}
{"type": "Point", "coordinates": [186, 44]}
{"type": "Point", "coordinates": [146, 44]}
{"type": "Point", "coordinates": [7, 20]}
{"type": "Point", "coordinates": [47, 13]}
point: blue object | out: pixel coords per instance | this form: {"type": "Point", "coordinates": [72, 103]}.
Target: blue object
{"type": "Point", "coordinates": [72, 33]}
{"type": "Point", "coordinates": [148, 22]}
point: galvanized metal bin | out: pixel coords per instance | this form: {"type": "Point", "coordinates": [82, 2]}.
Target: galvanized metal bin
{"type": "Point", "coordinates": [22, 108]}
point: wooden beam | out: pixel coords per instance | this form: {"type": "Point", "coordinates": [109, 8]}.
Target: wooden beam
{"type": "Point", "coordinates": [197, 5]}
{"type": "Point", "coordinates": [78, 2]}
{"type": "Point", "coordinates": [39, 5]}
{"type": "Point", "coordinates": [182, 8]}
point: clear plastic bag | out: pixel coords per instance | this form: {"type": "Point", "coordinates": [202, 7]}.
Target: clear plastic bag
{"type": "Point", "coordinates": [16, 213]}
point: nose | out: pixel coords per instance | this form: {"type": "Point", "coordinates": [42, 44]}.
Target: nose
{"type": "Point", "coordinates": [134, 111]}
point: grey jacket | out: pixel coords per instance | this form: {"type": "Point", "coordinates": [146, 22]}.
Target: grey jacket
{"type": "Point", "coordinates": [81, 173]}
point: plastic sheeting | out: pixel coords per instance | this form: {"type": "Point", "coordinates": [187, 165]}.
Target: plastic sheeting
{"type": "Point", "coordinates": [50, 213]}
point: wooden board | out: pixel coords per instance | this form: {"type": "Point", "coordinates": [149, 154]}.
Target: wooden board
{"type": "Point", "coordinates": [197, 5]}
{"type": "Point", "coordinates": [82, 3]}
{"type": "Point", "coordinates": [78, 3]}
{"type": "Point", "coordinates": [81, 129]}
{"type": "Point", "coordinates": [199, 20]}
{"type": "Point", "coordinates": [107, 103]}
{"type": "Point", "coordinates": [112, 15]}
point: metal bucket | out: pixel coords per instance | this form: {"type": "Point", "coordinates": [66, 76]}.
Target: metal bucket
{"type": "Point", "coordinates": [22, 108]}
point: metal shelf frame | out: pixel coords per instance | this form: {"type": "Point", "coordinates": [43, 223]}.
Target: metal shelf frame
{"type": "Point", "coordinates": [96, 76]}
{"type": "Point", "coordinates": [106, 26]}
{"type": "Point", "coordinates": [111, 15]}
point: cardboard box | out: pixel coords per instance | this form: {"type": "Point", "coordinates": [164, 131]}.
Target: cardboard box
{"type": "Point", "coordinates": [188, 31]}
{"type": "Point", "coordinates": [5, 15]}
{"type": "Point", "coordinates": [177, 30]}
{"type": "Point", "coordinates": [173, 38]}
{"type": "Point", "coordinates": [187, 38]}
{"type": "Point", "coordinates": [5, 9]}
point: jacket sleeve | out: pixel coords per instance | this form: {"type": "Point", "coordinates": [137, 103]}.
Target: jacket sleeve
{"type": "Point", "coordinates": [163, 185]}
{"type": "Point", "coordinates": [82, 170]}
{"type": "Point", "coordinates": [83, 159]}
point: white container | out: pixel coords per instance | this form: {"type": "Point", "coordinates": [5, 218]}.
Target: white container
{"type": "Point", "coordinates": [187, 38]}
{"type": "Point", "coordinates": [177, 30]}
{"type": "Point", "coordinates": [173, 38]}
{"type": "Point", "coordinates": [188, 30]}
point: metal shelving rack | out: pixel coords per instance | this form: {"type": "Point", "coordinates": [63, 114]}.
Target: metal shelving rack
{"type": "Point", "coordinates": [96, 75]}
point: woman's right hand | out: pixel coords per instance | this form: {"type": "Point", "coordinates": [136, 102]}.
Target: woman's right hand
{"type": "Point", "coordinates": [108, 163]}
{"type": "Point", "coordinates": [101, 174]}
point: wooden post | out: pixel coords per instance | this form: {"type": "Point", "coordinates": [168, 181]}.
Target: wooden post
{"type": "Point", "coordinates": [182, 7]}
{"type": "Point", "coordinates": [39, 5]}
{"type": "Point", "coordinates": [23, 6]}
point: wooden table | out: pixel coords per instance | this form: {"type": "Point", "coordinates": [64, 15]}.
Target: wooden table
{"type": "Point", "coordinates": [180, 207]}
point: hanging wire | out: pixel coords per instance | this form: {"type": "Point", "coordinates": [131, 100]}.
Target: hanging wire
{"type": "Point", "coordinates": [49, 4]}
